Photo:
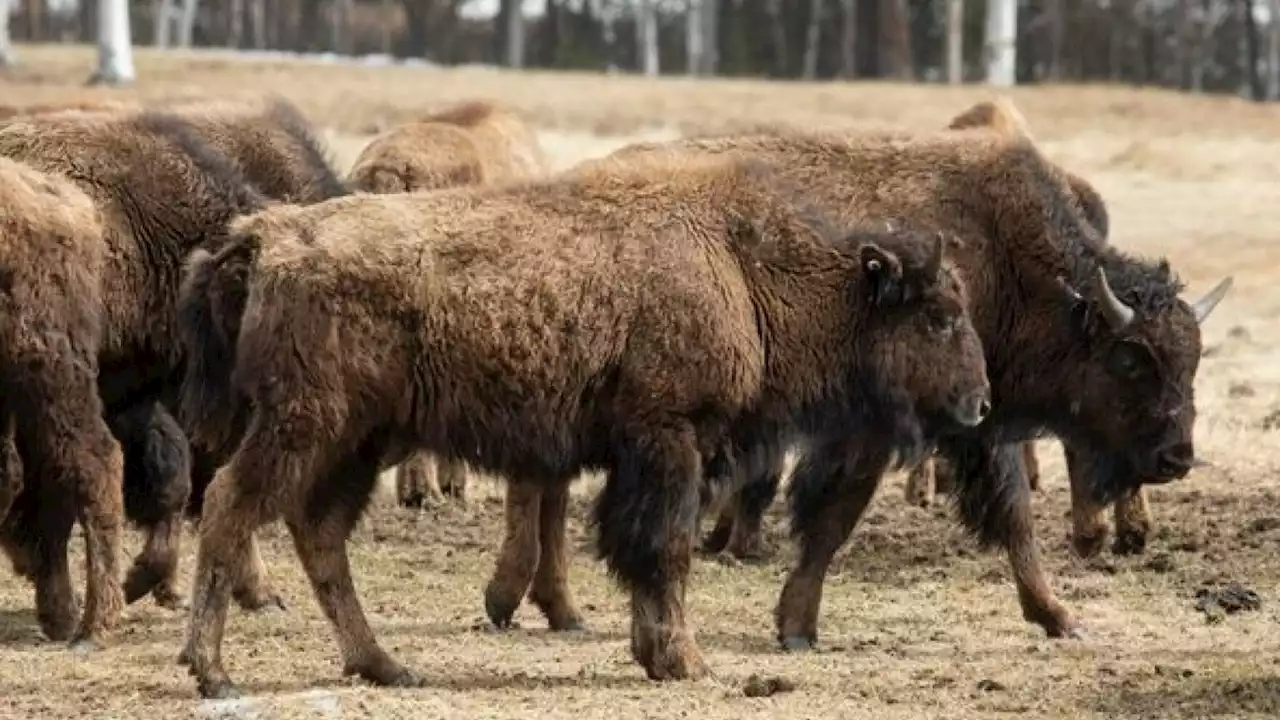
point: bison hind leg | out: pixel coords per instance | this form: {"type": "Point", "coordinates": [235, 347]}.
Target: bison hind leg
{"type": "Point", "coordinates": [647, 520]}
{"type": "Point", "coordinates": [157, 490]}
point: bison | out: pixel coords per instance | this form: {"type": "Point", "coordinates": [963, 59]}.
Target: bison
{"type": "Point", "coordinates": [132, 165]}
{"type": "Point", "coordinates": [640, 321]}
{"type": "Point", "coordinates": [61, 462]}
{"type": "Point", "coordinates": [1082, 340]}
{"type": "Point", "coordinates": [473, 143]}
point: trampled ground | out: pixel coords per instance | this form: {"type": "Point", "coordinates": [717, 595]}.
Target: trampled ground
{"type": "Point", "coordinates": [915, 622]}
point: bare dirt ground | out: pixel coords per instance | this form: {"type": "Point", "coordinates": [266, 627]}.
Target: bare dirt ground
{"type": "Point", "coordinates": [915, 623]}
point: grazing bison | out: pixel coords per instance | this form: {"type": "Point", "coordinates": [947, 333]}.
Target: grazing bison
{"type": "Point", "coordinates": [1082, 340]}
{"type": "Point", "coordinates": [474, 143]}
{"type": "Point", "coordinates": [639, 321]}
{"type": "Point", "coordinates": [132, 168]}
{"type": "Point", "coordinates": [60, 459]}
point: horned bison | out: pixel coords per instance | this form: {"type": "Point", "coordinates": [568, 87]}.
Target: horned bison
{"type": "Point", "coordinates": [640, 321]}
{"type": "Point", "coordinates": [1082, 340]}
{"type": "Point", "coordinates": [472, 143]}
{"type": "Point", "coordinates": [61, 462]}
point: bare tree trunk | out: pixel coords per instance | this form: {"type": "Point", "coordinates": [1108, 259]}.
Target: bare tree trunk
{"type": "Point", "coordinates": [187, 21]}
{"type": "Point", "coordinates": [778, 30]}
{"type": "Point", "coordinates": [339, 18]}
{"type": "Point", "coordinates": [1057, 21]}
{"type": "Point", "coordinates": [849, 39]}
{"type": "Point", "coordinates": [235, 31]}
{"type": "Point", "coordinates": [647, 37]}
{"type": "Point", "coordinates": [7, 57]}
{"type": "Point", "coordinates": [515, 34]}
{"type": "Point", "coordinates": [1253, 52]}
{"type": "Point", "coordinates": [1001, 42]}
{"type": "Point", "coordinates": [955, 41]}
{"type": "Point", "coordinates": [162, 23]}
{"type": "Point", "coordinates": [895, 40]}
{"type": "Point", "coordinates": [258, 19]}
{"type": "Point", "coordinates": [812, 37]}
{"type": "Point", "coordinates": [710, 36]}
{"type": "Point", "coordinates": [1273, 61]}
{"type": "Point", "coordinates": [693, 49]}
{"type": "Point", "coordinates": [115, 47]}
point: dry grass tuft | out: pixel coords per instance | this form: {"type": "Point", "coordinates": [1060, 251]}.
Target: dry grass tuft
{"type": "Point", "coordinates": [915, 624]}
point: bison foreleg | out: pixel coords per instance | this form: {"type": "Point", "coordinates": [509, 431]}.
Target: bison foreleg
{"type": "Point", "coordinates": [550, 590]}
{"type": "Point", "coordinates": [56, 606]}
{"type": "Point", "coordinates": [417, 481]}
{"type": "Point", "coordinates": [995, 502]}
{"type": "Point", "coordinates": [919, 490]}
{"type": "Point", "coordinates": [764, 468]}
{"type": "Point", "coordinates": [1133, 523]}
{"type": "Point", "coordinates": [647, 518]}
{"type": "Point", "coordinates": [521, 551]}
{"type": "Point", "coordinates": [1088, 518]}
{"type": "Point", "coordinates": [827, 498]}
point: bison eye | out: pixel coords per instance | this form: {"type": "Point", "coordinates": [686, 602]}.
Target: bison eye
{"type": "Point", "coordinates": [1129, 360]}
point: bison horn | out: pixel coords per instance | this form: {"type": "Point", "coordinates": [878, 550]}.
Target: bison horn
{"type": "Point", "coordinates": [1206, 304]}
{"type": "Point", "coordinates": [1114, 310]}
{"type": "Point", "coordinates": [934, 268]}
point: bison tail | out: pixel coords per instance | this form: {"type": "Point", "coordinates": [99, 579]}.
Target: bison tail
{"type": "Point", "coordinates": [211, 305]}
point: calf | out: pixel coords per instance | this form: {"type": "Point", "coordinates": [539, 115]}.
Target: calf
{"type": "Point", "coordinates": [637, 320]}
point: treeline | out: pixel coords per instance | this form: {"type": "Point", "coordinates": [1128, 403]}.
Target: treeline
{"type": "Point", "coordinates": [1223, 46]}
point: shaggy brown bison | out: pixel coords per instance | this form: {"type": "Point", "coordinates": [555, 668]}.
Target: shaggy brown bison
{"type": "Point", "coordinates": [133, 165]}
{"type": "Point", "coordinates": [473, 143]}
{"type": "Point", "coordinates": [61, 462]}
{"type": "Point", "coordinates": [739, 521]}
{"type": "Point", "coordinates": [638, 321]}
{"type": "Point", "coordinates": [1082, 341]}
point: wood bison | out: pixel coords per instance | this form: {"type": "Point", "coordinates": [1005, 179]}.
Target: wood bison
{"type": "Point", "coordinates": [1108, 371]}
{"type": "Point", "coordinates": [740, 518]}
{"type": "Point", "coordinates": [61, 462]}
{"type": "Point", "coordinates": [473, 143]}
{"type": "Point", "coordinates": [133, 164]}
{"type": "Point", "coordinates": [640, 321]}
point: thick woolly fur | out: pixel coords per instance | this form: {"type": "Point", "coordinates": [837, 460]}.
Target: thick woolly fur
{"type": "Point", "coordinates": [61, 461]}
{"type": "Point", "coordinates": [640, 321]}
{"type": "Point", "coordinates": [132, 164]}
{"type": "Point", "coordinates": [1058, 360]}
{"type": "Point", "coordinates": [473, 143]}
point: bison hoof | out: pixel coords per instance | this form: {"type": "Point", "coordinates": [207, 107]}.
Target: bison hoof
{"type": "Point", "coordinates": [796, 643]}
{"type": "Point", "coordinates": [1088, 546]}
{"type": "Point", "coordinates": [1129, 542]}
{"type": "Point", "coordinates": [264, 603]}
{"type": "Point", "coordinates": [567, 625]}
{"type": "Point", "coordinates": [499, 606]}
{"type": "Point", "coordinates": [222, 689]}
{"type": "Point", "coordinates": [716, 541]}
{"type": "Point", "coordinates": [385, 672]}
{"type": "Point", "coordinates": [416, 501]}
{"type": "Point", "coordinates": [168, 599]}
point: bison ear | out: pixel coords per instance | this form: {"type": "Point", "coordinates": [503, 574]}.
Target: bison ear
{"type": "Point", "coordinates": [883, 272]}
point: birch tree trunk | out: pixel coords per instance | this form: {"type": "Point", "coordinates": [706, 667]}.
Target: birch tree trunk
{"type": "Point", "coordinates": [515, 34]}
{"type": "Point", "coordinates": [1001, 47]}
{"type": "Point", "coordinates": [115, 45]}
{"type": "Point", "coordinates": [710, 36]}
{"type": "Point", "coordinates": [258, 18]}
{"type": "Point", "coordinates": [7, 57]}
{"type": "Point", "coordinates": [955, 41]}
{"type": "Point", "coordinates": [693, 37]}
{"type": "Point", "coordinates": [235, 34]}
{"type": "Point", "coordinates": [647, 37]}
{"type": "Point", "coordinates": [812, 37]}
{"type": "Point", "coordinates": [162, 22]}
{"type": "Point", "coordinates": [187, 22]}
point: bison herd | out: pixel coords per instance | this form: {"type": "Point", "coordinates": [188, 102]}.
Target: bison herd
{"type": "Point", "coordinates": [199, 318]}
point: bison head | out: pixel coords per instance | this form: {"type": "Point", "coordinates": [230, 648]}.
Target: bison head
{"type": "Point", "coordinates": [921, 341]}
{"type": "Point", "coordinates": [1138, 383]}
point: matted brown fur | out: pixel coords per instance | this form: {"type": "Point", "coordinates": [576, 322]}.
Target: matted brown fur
{"type": "Point", "coordinates": [52, 262]}
{"type": "Point", "coordinates": [133, 170]}
{"type": "Point", "coordinates": [613, 319]}
{"type": "Point", "coordinates": [472, 143]}
{"type": "Point", "coordinates": [1048, 340]}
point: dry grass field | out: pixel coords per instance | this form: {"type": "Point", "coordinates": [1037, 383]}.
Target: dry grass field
{"type": "Point", "coordinates": [916, 623]}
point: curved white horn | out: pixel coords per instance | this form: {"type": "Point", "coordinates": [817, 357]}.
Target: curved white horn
{"type": "Point", "coordinates": [1206, 304]}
